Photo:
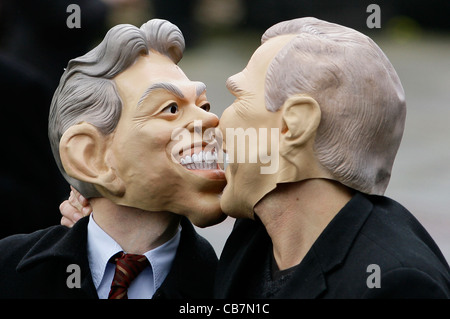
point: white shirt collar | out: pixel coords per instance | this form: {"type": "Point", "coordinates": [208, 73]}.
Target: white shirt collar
{"type": "Point", "coordinates": [101, 247]}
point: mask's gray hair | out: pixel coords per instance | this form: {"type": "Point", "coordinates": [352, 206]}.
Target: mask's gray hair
{"type": "Point", "coordinates": [87, 92]}
{"type": "Point", "coordinates": [360, 95]}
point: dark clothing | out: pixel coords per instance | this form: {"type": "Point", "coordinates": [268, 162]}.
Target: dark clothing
{"type": "Point", "coordinates": [36, 265]}
{"type": "Point", "coordinates": [37, 32]}
{"type": "Point", "coordinates": [267, 280]}
{"type": "Point", "coordinates": [31, 186]}
{"type": "Point", "coordinates": [369, 230]}
{"type": "Point", "coordinates": [36, 45]}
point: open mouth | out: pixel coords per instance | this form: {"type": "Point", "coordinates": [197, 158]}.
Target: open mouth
{"type": "Point", "coordinates": [202, 160]}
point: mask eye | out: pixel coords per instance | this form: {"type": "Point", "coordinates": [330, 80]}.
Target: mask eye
{"type": "Point", "coordinates": [206, 107]}
{"type": "Point", "coordinates": [171, 108]}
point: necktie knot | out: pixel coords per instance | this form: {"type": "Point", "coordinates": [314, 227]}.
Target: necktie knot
{"type": "Point", "coordinates": [128, 267]}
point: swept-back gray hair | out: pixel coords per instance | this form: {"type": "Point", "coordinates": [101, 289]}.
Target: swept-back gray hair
{"type": "Point", "coordinates": [360, 95]}
{"type": "Point", "coordinates": [87, 91]}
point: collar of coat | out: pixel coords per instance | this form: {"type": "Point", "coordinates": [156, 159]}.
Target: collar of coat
{"type": "Point", "coordinates": [253, 242]}
{"type": "Point", "coordinates": [191, 275]}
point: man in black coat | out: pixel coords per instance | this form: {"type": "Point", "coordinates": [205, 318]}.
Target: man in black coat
{"type": "Point", "coordinates": [29, 160]}
{"type": "Point", "coordinates": [373, 248]}
{"type": "Point", "coordinates": [313, 221]}
{"type": "Point", "coordinates": [41, 265]}
{"type": "Point", "coordinates": [111, 125]}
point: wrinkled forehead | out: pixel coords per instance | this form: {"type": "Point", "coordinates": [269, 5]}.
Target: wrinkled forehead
{"type": "Point", "coordinates": [268, 50]}
{"type": "Point", "coordinates": [147, 70]}
{"type": "Point", "coordinates": [260, 61]}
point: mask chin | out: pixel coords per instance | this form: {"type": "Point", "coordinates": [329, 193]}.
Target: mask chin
{"type": "Point", "coordinates": [208, 214]}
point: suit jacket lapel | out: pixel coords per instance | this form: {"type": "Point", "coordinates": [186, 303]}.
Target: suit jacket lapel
{"type": "Point", "coordinates": [236, 264]}
{"type": "Point", "coordinates": [307, 281]}
{"type": "Point", "coordinates": [309, 277]}
{"type": "Point", "coordinates": [65, 244]}
{"type": "Point", "coordinates": [193, 270]}
{"type": "Point", "coordinates": [338, 237]}
{"type": "Point", "coordinates": [328, 251]}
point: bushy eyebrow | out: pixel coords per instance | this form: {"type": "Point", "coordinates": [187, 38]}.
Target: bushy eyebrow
{"type": "Point", "coordinates": [232, 86]}
{"type": "Point", "coordinates": [161, 86]}
{"type": "Point", "coordinates": [200, 89]}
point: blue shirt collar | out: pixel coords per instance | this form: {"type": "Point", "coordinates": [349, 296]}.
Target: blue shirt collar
{"type": "Point", "coordinates": [101, 247]}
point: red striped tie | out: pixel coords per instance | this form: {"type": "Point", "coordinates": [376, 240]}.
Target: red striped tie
{"type": "Point", "coordinates": [128, 267]}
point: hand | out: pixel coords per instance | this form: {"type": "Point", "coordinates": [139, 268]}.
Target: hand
{"type": "Point", "coordinates": [74, 208]}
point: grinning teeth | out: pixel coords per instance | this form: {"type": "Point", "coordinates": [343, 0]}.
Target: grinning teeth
{"type": "Point", "coordinates": [201, 160]}
{"type": "Point", "coordinates": [209, 157]}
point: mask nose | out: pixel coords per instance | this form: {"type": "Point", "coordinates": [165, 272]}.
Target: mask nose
{"type": "Point", "coordinates": [203, 121]}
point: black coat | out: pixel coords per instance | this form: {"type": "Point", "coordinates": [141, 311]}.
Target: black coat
{"type": "Point", "coordinates": [36, 265]}
{"type": "Point", "coordinates": [368, 230]}
{"type": "Point", "coordinates": [27, 167]}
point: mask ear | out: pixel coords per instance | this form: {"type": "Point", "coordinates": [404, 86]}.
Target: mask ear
{"type": "Point", "coordinates": [83, 150]}
{"type": "Point", "coordinates": [301, 118]}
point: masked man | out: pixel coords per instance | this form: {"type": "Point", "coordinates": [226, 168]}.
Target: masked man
{"type": "Point", "coordinates": [317, 225]}
{"type": "Point", "coordinates": [112, 128]}
{"type": "Point", "coordinates": [323, 112]}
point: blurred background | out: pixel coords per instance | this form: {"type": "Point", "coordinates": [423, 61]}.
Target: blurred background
{"type": "Point", "coordinates": [221, 35]}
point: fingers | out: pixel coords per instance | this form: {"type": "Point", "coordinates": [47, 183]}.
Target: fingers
{"type": "Point", "coordinates": [74, 208]}
{"type": "Point", "coordinates": [70, 214]}
{"type": "Point", "coordinates": [66, 222]}
{"type": "Point", "coordinates": [80, 198]}
{"type": "Point", "coordinates": [80, 203]}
